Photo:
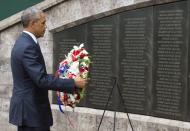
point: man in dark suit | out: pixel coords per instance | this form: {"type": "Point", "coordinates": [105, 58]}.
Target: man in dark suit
{"type": "Point", "coordinates": [29, 107]}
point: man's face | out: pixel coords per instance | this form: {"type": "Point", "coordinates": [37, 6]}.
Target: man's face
{"type": "Point", "coordinates": [39, 26]}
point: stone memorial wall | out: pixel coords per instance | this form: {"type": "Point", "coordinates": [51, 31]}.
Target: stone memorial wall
{"type": "Point", "coordinates": [147, 49]}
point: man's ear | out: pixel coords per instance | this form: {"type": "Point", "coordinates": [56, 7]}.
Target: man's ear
{"type": "Point", "coordinates": [32, 22]}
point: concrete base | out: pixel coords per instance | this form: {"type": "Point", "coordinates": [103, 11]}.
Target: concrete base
{"type": "Point", "coordinates": [86, 119]}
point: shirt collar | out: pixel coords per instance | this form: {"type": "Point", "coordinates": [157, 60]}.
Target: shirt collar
{"type": "Point", "coordinates": [32, 35]}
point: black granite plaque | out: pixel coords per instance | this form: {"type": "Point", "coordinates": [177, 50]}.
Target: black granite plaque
{"type": "Point", "coordinates": [170, 60]}
{"type": "Point", "coordinates": [135, 59]}
{"type": "Point", "coordinates": [102, 47]}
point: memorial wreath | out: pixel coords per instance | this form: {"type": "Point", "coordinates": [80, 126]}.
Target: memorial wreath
{"type": "Point", "coordinates": [76, 63]}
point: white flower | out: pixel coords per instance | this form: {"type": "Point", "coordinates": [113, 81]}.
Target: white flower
{"type": "Point", "coordinates": [81, 45]}
{"type": "Point", "coordinates": [75, 47]}
{"type": "Point", "coordinates": [74, 68]}
{"type": "Point", "coordinates": [69, 58]}
{"type": "Point", "coordinates": [86, 58]}
{"type": "Point", "coordinates": [74, 65]}
{"type": "Point", "coordinates": [72, 97]}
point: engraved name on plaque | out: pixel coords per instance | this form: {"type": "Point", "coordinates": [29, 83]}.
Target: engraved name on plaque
{"type": "Point", "coordinates": [101, 43]}
{"type": "Point", "coordinates": [135, 58]}
{"type": "Point", "coordinates": [170, 59]}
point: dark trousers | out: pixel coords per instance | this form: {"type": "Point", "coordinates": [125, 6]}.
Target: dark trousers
{"type": "Point", "coordinates": [26, 128]}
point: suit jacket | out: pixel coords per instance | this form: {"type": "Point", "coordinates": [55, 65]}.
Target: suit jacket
{"type": "Point", "coordinates": [29, 104]}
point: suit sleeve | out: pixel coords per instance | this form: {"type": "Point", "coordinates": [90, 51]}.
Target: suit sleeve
{"type": "Point", "coordinates": [37, 73]}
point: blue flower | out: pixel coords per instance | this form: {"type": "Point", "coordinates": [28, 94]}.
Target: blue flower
{"type": "Point", "coordinates": [63, 69]}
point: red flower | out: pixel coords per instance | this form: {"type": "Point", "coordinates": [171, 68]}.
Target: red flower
{"type": "Point", "coordinates": [76, 52]}
{"type": "Point", "coordinates": [65, 97]}
{"type": "Point", "coordinates": [82, 55]}
{"type": "Point", "coordinates": [78, 97]}
{"type": "Point", "coordinates": [81, 49]}
{"type": "Point", "coordinates": [86, 68]}
{"type": "Point", "coordinates": [64, 63]}
{"type": "Point", "coordinates": [71, 76]}
{"type": "Point", "coordinates": [82, 69]}
{"type": "Point", "coordinates": [74, 58]}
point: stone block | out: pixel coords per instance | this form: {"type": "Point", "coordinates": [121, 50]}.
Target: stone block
{"type": "Point", "coordinates": [86, 122]}
{"type": "Point", "coordinates": [48, 36]}
{"type": "Point", "coordinates": [63, 14]}
{"type": "Point", "coordinates": [5, 71]}
{"type": "Point", "coordinates": [4, 123]}
{"type": "Point", "coordinates": [5, 91]}
{"type": "Point", "coordinates": [87, 119]}
{"type": "Point", "coordinates": [9, 35]}
{"type": "Point", "coordinates": [59, 118]}
{"type": "Point", "coordinates": [46, 46]}
{"type": "Point", "coordinates": [49, 62]}
{"type": "Point", "coordinates": [4, 104]}
{"type": "Point", "coordinates": [5, 51]}
{"type": "Point", "coordinates": [7, 40]}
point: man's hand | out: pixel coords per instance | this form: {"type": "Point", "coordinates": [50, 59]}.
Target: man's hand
{"type": "Point", "coordinates": [80, 82]}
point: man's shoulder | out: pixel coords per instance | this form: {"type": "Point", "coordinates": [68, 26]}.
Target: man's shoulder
{"type": "Point", "coordinates": [24, 38]}
{"type": "Point", "coordinates": [21, 44]}
{"type": "Point", "coordinates": [23, 41]}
